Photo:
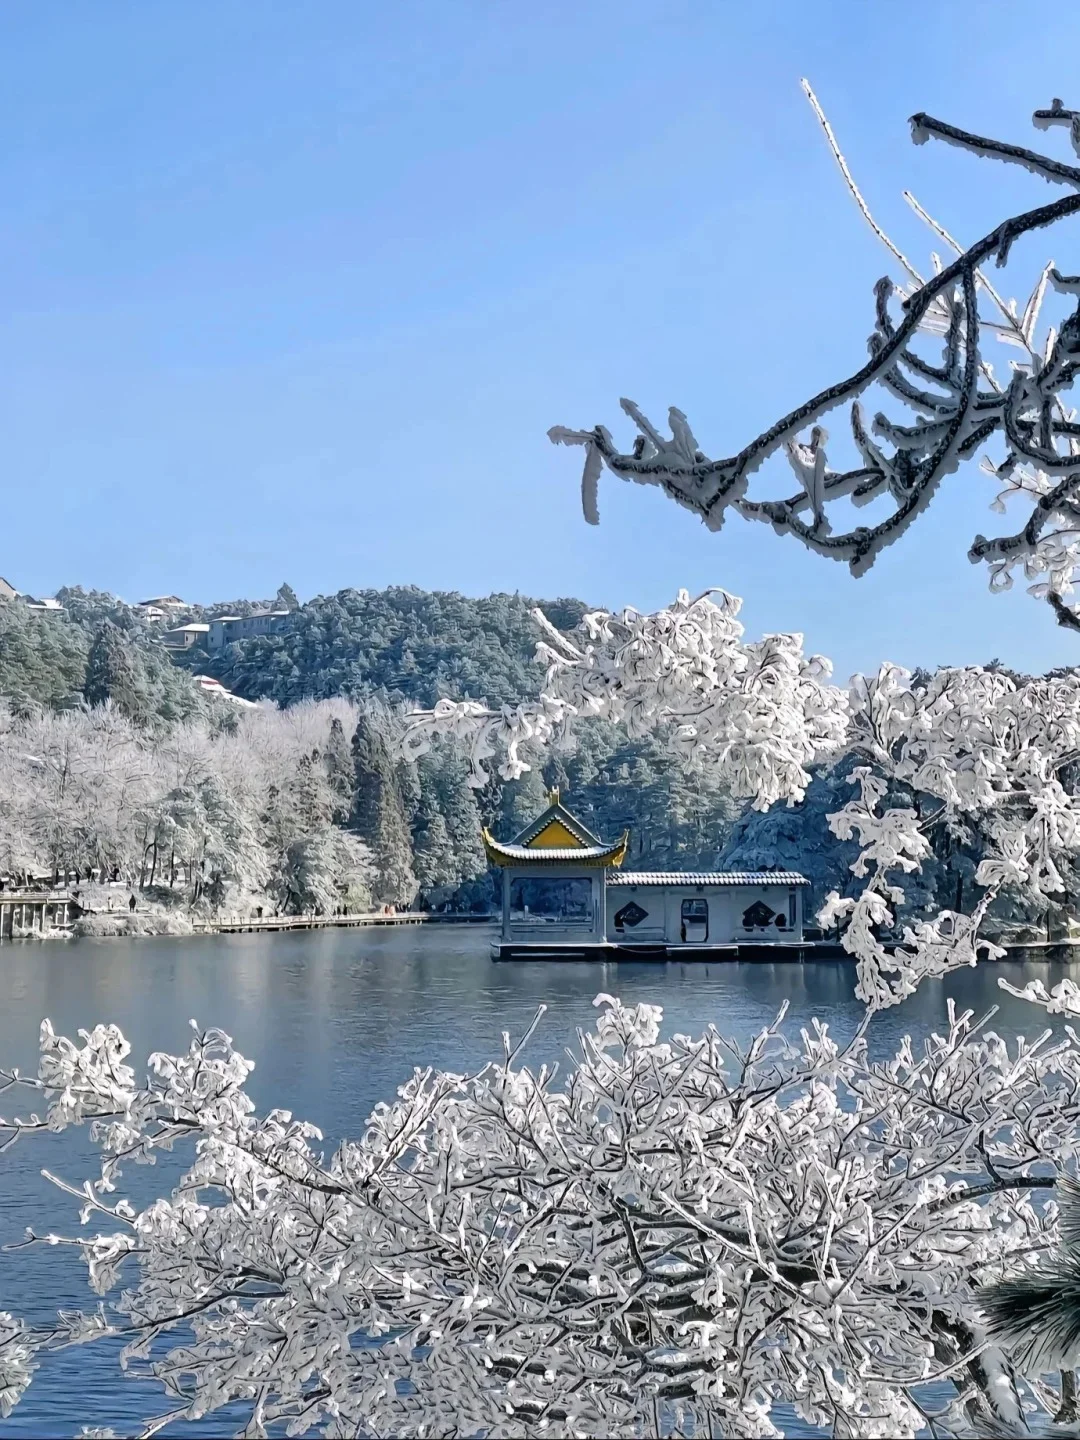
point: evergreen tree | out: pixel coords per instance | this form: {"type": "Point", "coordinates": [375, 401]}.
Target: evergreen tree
{"type": "Point", "coordinates": [312, 799]}
{"type": "Point", "coordinates": [457, 802]}
{"type": "Point", "coordinates": [111, 674]}
{"type": "Point", "coordinates": [556, 775]}
{"type": "Point", "coordinates": [340, 770]}
{"type": "Point", "coordinates": [522, 799]}
{"type": "Point", "coordinates": [378, 814]}
{"type": "Point", "coordinates": [408, 776]}
{"type": "Point", "coordinates": [436, 866]}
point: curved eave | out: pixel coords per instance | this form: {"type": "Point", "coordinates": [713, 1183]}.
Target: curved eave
{"type": "Point", "coordinates": [598, 857]}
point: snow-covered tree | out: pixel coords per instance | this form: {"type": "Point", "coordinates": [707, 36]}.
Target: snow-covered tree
{"type": "Point", "coordinates": [678, 1237]}
{"type": "Point", "coordinates": [320, 871]}
{"type": "Point", "coordinates": [378, 813]}
{"type": "Point", "coordinates": [111, 674]}
{"type": "Point", "coordinates": [340, 769]}
{"type": "Point", "coordinates": [446, 774]}
{"type": "Point", "coordinates": [433, 850]}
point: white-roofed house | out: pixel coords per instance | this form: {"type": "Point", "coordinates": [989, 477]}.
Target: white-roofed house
{"type": "Point", "coordinates": [183, 637]}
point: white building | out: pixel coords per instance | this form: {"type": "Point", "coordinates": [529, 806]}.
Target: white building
{"type": "Point", "coordinates": [48, 604]}
{"type": "Point", "coordinates": [185, 636]}
{"type": "Point", "coordinates": [565, 896]}
{"type": "Point", "coordinates": [227, 628]}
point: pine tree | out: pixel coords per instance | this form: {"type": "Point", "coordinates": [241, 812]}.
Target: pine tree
{"type": "Point", "coordinates": [457, 802]}
{"type": "Point", "coordinates": [378, 814]}
{"type": "Point", "coordinates": [436, 866]}
{"type": "Point", "coordinates": [340, 770]}
{"type": "Point", "coordinates": [523, 799]}
{"type": "Point", "coordinates": [408, 776]}
{"type": "Point", "coordinates": [555, 774]}
{"type": "Point", "coordinates": [112, 674]}
{"type": "Point", "coordinates": [312, 799]}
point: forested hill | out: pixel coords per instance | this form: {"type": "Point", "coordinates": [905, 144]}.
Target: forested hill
{"type": "Point", "coordinates": [346, 653]}
{"type": "Point", "coordinates": [412, 644]}
{"type": "Point", "coordinates": [406, 643]}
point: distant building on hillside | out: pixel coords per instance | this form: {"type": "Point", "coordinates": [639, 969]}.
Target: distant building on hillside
{"type": "Point", "coordinates": [210, 686]}
{"type": "Point", "coordinates": [41, 607]}
{"type": "Point", "coordinates": [185, 636]}
{"type": "Point", "coordinates": [227, 628]}
{"type": "Point", "coordinates": [162, 603]}
{"type": "Point", "coordinates": [44, 606]}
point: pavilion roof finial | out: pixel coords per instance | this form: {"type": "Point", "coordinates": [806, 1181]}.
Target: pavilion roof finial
{"type": "Point", "coordinates": [553, 795]}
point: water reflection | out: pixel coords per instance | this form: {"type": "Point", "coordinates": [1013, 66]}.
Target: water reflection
{"type": "Point", "coordinates": [335, 1021]}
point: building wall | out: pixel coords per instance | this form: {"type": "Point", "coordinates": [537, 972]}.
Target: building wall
{"type": "Point", "coordinates": [727, 904]}
{"type": "Point", "coordinates": [184, 639]}
{"type": "Point", "coordinates": [228, 629]}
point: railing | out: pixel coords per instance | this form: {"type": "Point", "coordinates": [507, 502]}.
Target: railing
{"type": "Point", "coordinates": [224, 924]}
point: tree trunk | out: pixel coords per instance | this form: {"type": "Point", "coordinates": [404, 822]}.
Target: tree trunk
{"type": "Point", "coordinates": [1067, 1411]}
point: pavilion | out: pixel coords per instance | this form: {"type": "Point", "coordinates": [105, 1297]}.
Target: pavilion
{"type": "Point", "coordinates": [566, 896]}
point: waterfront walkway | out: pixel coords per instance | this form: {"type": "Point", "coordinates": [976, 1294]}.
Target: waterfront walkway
{"type": "Point", "coordinates": [236, 924]}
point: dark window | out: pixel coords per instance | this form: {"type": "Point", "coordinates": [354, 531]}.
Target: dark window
{"type": "Point", "coordinates": [560, 898]}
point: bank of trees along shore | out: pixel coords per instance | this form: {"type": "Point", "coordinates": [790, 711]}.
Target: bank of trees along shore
{"type": "Point", "coordinates": [376, 653]}
{"type": "Point", "coordinates": [309, 807]}
{"type": "Point", "coordinates": [114, 760]}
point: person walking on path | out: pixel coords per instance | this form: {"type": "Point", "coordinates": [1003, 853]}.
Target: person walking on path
{"type": "Point", "coordinates": [131, 904]}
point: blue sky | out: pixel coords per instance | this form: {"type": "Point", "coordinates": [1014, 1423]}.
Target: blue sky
{"type": "Point", "coordinates": [295, 291]}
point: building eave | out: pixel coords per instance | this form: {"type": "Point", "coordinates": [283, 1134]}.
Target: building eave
{"type": "Point", "coordinates": [592, 857]}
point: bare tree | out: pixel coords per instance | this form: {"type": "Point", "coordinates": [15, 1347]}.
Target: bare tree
{"type": "Point", "coordinates": [956, 405]}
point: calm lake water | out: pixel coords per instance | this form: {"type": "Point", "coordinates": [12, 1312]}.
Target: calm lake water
{"type": "Point", "coordinates": [336, 1020]}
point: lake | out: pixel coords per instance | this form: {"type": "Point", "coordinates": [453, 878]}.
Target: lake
{"type": "Point", "coordinates": [335, 1020]}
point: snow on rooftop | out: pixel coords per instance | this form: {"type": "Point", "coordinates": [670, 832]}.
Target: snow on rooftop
{"type": "Point", "coordinates": [707, 877]}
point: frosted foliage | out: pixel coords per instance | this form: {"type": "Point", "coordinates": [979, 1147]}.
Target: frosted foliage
{"type": "Point", "coordinates": [975, 744]}
{"type": "Point", "coordinates": [193, 813]}
{"type": "Point", "coordinates": [757, 714]}
{"type": "Point", "coordinates": [17, 1364]}
{"type": "Point", "coordinates": [928, 352]}
{"type": "Point", "coordinates": [673, 1235]}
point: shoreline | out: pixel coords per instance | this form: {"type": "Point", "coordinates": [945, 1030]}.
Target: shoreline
{"type": "Point", "coordinates": [139, 925]}
{"type": "Point", "coordinates": [155, 925]}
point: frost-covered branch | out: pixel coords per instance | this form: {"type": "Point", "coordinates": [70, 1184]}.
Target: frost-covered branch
{"type": "Point", "coordinates": [671, 1234]}
{"type": "Point", "coordinates": [956, 406]}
